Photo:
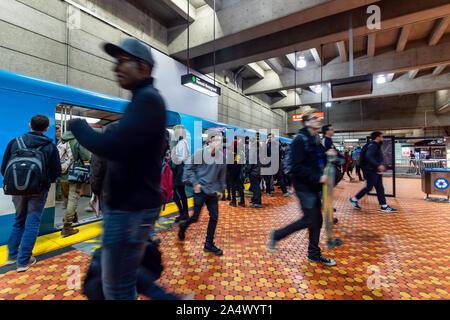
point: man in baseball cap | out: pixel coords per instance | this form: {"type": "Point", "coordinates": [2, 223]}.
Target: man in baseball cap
{"type": "Point", "coordinates": [134, 151]}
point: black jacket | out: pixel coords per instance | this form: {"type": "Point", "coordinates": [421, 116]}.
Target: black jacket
{"type": "Point", "coordinates": [98, 172]}
{"type": "Point", "coordinates": [34, 140]}
{"type": "Point", "coordinates": [134, 149]}
{"type": "Point", "coordinates": [306, 169]}
{"type": "Point", "coordinates": [373, 157]}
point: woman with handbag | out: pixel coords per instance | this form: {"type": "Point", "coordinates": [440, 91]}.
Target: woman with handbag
{"type": "Point", "coordinates": [72, 180]}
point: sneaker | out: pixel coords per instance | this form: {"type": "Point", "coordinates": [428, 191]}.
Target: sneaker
{"type": "Point", "coordinates": [286, 194]}
{"type": "Point", "coordinates": [10, 261]}
{"type": "Point", "coordinates": [156, 241]}
{"type": "Point", "coordinates": [27, 266]}
{"type": "Point", "coordinates": [388, 209]}
{"type": "Point", "coordinates": [323, 260]}
{"type": "Point", "coordinates": [335, 220]}
{"type": "Point", "coordinates": [255, 205]}
{"type": "Point", "coordinates": [210, 247]}
{"type": "Point", "coordinates": [232, 204]}
{"type": "Point", "coordinates": [182, 232]}
{"type": "Point", "coordinates": [272, 242]}
{"type": "Point", "coordinates": [189, 296]}
{"type": "Point", "coordinates": [241, 204]}
{"type": "Point", "coordinates": [354, 204]}
{"type": "Point", "coordinates": [290, 192]}
{"type": "Point", "coordinates": [269, 195]}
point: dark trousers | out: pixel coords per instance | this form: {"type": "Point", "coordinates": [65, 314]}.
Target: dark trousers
{"type": "Point", "coordinates": [236, 184]}
{"type": "Point", "coordinates": [358, 172]}
{"type": "Point", "coordinates": [255, 181]}
{"type": "Point", "coordinates": [269, 183]}
{"type": "Point", "coordinates": [280, 179]}
{"type": "Point", "coordinates": [180, 198]}
{"type": "Point", "coordinates": [373, 179]}
{"type": "Point", "coordinates": [312, 219]}
{"type": "Point", "coordinates": [212, 203]}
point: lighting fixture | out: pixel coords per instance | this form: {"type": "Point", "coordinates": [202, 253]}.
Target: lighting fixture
{"type": "Point", "coordinates": [316, 88]}
{"type": "Point", "coordinates": [351, 140]}
{"type": "Point", "coordinates": [301, 62]}
{"type": "Point", "coordinates": [328, 104]}
{"type": "Point", "coordinates": [381, 79]}
{"type": "Point", "coordinates": [192, 81]}
{"type": "Point", "coordinates": [88, 119]}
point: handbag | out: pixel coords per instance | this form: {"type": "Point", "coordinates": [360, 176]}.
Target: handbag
{"type": "Point", "coordinates": [78, 174]}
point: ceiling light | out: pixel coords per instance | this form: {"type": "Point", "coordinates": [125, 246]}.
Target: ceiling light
{"type": "Point", "coordinates": [351, 140]}
{"type": "Point", "coordinates": [316, 88]}
{"type": "Point", "coordinates": [328, 104]}
{"type": "Point", "coordinates": [192, 81]}
{"type": "Point", "coordinates": [88, 119]}
{"type": "Point", "coordinates": [381, 79]}
{"type": "Point", "coordinates": [301, 62]}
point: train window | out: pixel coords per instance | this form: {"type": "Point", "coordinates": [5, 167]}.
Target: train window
{"type": "Point", "coordinates": [99, 120]}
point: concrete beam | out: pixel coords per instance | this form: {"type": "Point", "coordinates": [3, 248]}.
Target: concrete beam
{"type": "Point", "coordinates": [256, 70]}
{"type": "Point", "coordinates": [438, 70]}
{"type": "Point", "coordinates": [284, 93]}
{"type": "Point", "coordinates": [371, 41]}
{"type": "Point", "coordinates": [401, 86]}
{"type": "Point", "coordinates": [242, 21]}
{"type": "Point", "coordinates": [390, 77]}
{"type": "Point", "coordinates": [180, 7]}
{"type": "Point", "coordinates": [342, 51]}
{"type": "Point", "coordinates": [275, 64]}
{"type": "Point", "coordinates": [316, 55]}
{"type": "Point", "coordinates": [389, 62]}
{"type": "Point", "coordinates": [413, 73]}
{"type": "Point", "coordinates": [312, 34]}
{"type": "Point", "coordinates": [211, 4]}
{"type": "Point", "coordinates": [438, 31]}
{"type": "Point", "coordinates": [403, 37]}
{"type": "Point", "coordinates": [291, 58]}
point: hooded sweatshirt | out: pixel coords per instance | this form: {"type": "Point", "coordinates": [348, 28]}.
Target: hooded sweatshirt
{"type": "Point", "coordinates": [34, 140]}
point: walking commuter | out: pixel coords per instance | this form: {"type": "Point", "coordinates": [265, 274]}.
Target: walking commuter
{"type": "Point", "coordinates": [347, 167]}
{"type": "Point", "coordinates": [253, 170]}
{"type": "Point", "coordinates": [179, 157]}
{"type": "Point", "coordinates": [29, 207]}
{"type": "Point", "coordinates": [71, 190]}
{"type": "Point", "coordinates": [356, 160]}
{"type": "Point", "coordinates": [268, 179]}
{"type": "Point", "coordinates": [234, 170]}
{"type": "Point", "coordinates": [207, 180]}
{"type": "Point", "coordinates": [373, 168]}
{"type": "Point", "coordinates": [308, 179]}
{"type": "Point", "coordinates": [134, 151]}
{"type": "Point", "coordinates": [280, 174]}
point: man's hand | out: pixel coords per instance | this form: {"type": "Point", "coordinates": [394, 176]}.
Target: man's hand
{"type": "Point", "coordinates": [324, 180]}
{"type": "Point", "coordinates": [381, 168]}
{"type": "Point", "coordinates": [197, 188]}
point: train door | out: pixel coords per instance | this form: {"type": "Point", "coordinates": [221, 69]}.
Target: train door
{"type": "Point", "coordinates": [86, 206]}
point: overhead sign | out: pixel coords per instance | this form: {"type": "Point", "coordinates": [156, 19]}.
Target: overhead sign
{"type": "Point", "coordinates": [298, 117]}
{"type": "Point", "coordinates": [196, 83]}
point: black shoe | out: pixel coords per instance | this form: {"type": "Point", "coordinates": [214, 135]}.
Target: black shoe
{"type": "Point", "coordinates": [241, 204]}
{"type": "Point", "coordinates": [251, 201]}
{"type": "Point", "coordinates": [156, 241]}
{"type": "Point", "coordinates": [323, 260]}
{"type": "Point", "coordinates": [182, 232]}
{"type": "Point", "coordinates": [335, 220]}
{"type": "Point", "coordinates": [388, 209]}
{"type": "Point", "coordinates": [180, 218]}
{"type": "Point", "coordinates": [232, 204]}
{"type": "Point", "coordinates": [228, 199]}
{"type": "Point", "coordinates": [354, 204]}
{"type": "Point", "coordinates": [256, 205]}
{"type": "Point", "coordinates": [212, 248]}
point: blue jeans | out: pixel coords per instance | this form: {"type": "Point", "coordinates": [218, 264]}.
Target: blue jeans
{"type": "Point", "coordinates": [125, 235]}
{"type": "Point", "coordinates": [26, 227]}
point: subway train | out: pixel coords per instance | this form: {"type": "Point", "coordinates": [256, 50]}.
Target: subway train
{"type": "Point", "coordinates": [23, 96]}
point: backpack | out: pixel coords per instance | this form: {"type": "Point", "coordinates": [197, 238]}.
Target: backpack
{"type": "Point", "coordinates": [166, 183]}
{"type": "Point", "coordinates": [26, 172]}
{"type": "Point", "coordinates": [287, 161]}
{"type": "Point", "coordinates": [66, 156]}
{"type": "Point", "coordinates": [362, 157]}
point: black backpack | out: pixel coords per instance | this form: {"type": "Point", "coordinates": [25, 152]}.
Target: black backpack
{"type": "Point", "coordinates": [287, 161]}
{"type": "Point", "coordinates": [26, 172]}
{"type": "Point", "coordinates": [362, 156]}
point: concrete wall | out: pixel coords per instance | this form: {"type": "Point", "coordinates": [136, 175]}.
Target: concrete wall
{"type": "Point", "coordinates": [35, 40]}
{"type": "Point", "coordinates": [252, 112]}
{"type": "Point", "coordinates": [410, 111]}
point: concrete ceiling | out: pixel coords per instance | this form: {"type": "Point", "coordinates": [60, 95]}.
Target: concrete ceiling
{"type": "Point", "coordinates": [412, 47]}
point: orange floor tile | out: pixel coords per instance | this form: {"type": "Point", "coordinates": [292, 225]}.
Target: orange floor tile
{"type": "Point", "coordinates": [411, 250]}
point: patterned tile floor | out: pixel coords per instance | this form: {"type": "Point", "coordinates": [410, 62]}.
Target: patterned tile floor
{"type": "Point", "coordinates": [410, 250]}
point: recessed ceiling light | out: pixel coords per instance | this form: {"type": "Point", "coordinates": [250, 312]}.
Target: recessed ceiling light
{"type": "Point", "coordinates": [301, 62]}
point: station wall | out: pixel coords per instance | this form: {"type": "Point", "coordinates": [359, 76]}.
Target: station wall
{"type": "Point", "coordinates": [36, 40]}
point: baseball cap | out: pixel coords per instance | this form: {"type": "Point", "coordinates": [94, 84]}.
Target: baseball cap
{"type": "Point", "coordinates": [131, 46]}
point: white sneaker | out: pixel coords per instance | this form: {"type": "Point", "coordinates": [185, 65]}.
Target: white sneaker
{"type": "Point", "coordinates": [10, 261]}
{"type": "Point", "coordinates": [27, 266]}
